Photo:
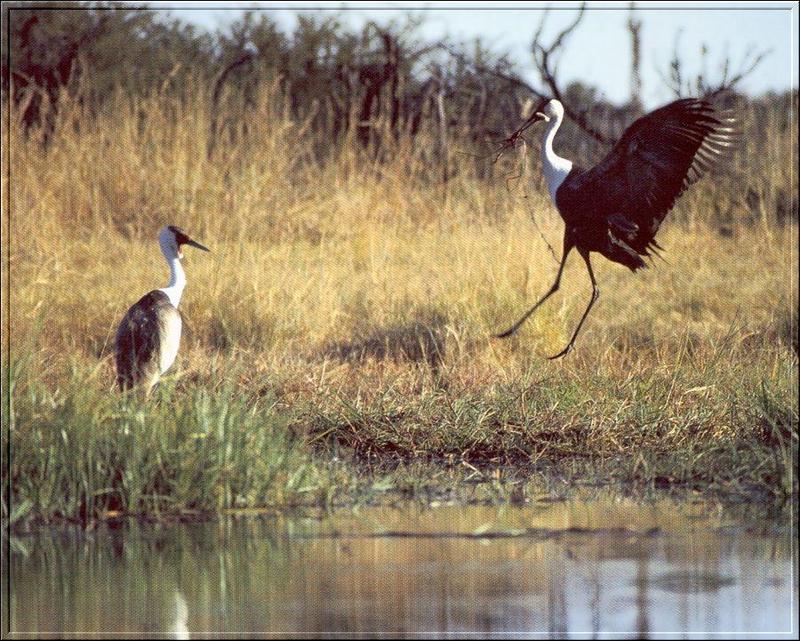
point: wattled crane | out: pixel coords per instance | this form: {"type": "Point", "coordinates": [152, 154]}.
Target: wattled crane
{"type": "Point", "coordinates": [149, 335]}
{"type": "Point", "coordinates": [616, 207]}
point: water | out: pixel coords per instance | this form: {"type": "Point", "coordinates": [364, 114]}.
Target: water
{"type": "Point", "coordinates": [572, 568]}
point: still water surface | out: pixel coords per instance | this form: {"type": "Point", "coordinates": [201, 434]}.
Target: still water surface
{"type": "Point", "coordinates": [574, 568]}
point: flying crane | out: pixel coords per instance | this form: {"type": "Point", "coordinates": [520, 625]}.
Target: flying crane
{"type": "Point", "coordinates": [616, 207]}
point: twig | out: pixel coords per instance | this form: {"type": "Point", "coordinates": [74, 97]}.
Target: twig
{"type": "Point", "coordinates": [522, 172]}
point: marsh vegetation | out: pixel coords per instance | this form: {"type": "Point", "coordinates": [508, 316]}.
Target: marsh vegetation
{"type": "Point", "coordinates": [337, 342]}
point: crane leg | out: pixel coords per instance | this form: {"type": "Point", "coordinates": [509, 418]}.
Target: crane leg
{"type": "Point", "coordinates": [567, 248]}
{"type": "Point", "coordinates": [595, 295]}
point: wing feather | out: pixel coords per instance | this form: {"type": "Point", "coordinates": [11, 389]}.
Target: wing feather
{"type": "Point", "coordinates": [655, 160]}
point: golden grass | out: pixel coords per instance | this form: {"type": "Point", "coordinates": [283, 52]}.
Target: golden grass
{"type": "Point", "coordinates": [294, 298]}
{"type": "Point", "coordinates": [340, 281]}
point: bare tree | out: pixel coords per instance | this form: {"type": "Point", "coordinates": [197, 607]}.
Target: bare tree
{"type": "Point", "coordinates": [635, 28]}
{"type": "Point", "coordinates": [702, 86]}
{"type": "Point", "coordinates": [37, 80]}
{"type": "Point", "coordinates": [547, 59]}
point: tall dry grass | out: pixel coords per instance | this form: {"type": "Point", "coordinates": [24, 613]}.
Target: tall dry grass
{"type": "Point", "coordinates": [309, 248]}
{"type": "Point", "coordinates": [336, 279]}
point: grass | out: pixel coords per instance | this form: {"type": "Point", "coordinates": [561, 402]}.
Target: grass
{"type": "Point", "coordinates": [337, 342]}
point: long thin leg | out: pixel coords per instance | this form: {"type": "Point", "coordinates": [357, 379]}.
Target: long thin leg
{"type": "Point", "coordinates": [567, 249]}
{"type": "Point", "coordinates": [595, 295]}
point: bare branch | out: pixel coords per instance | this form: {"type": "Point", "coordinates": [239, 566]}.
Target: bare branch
{"type": "Point", "coordinates": [514, 80]}
{"type": "Point", "coordinates": [244, 58]}
{"type": "Point", "coordinates": [675, 81]}
{"type": "Point", "coordinates": [537, 36]}
{"type": "Point", "coordinates": [543, 57]}
{"type": "Point", "coordinates": [744, 71]}
{"type": "Point", "coordinates": [635, 30]}
{"type": "Point", "coordinates": [559, 41]}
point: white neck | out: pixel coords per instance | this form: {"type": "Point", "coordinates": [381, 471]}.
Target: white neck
{"type": "Point", "coordinates": [177, 279]}
{"type": "Point", "coordinates": [554, 168]}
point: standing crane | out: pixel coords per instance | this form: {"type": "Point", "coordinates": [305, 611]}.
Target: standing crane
{"type": "Point", "coordinates": [616, 207]}
{"type": "Point", "coordinates": [149, 335]}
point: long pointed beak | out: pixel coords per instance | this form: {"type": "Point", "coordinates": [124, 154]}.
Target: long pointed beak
{"type": "Point", "coordinates": [194, 243]}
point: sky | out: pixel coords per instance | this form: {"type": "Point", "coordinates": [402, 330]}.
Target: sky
{"type": "Point", "coordinates": [598, 52]}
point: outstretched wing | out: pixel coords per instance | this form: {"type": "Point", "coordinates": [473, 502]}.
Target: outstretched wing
{"type": "Point", "coordinates": [656, 159]}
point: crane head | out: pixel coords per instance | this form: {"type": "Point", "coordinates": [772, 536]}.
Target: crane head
{"type": "Point", "coordinates": [542, 112]}
{"type": "Point", "coordinates": [172, 238]}
{"type": "Point", "coordinates": [547, 110]}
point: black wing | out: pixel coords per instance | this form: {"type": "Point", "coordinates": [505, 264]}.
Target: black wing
{"type": "Point", "coordinates": [138, 341]}
{"type": "Point", "coordinates": [656, 159]}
